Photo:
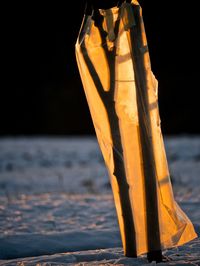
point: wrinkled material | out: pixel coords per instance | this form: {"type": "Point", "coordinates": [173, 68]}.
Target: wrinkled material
{"type": "Point", "coordinates": [122, 95]}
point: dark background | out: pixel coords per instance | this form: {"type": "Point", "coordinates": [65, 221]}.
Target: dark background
{"type": "Point", "coordinates": [41, 91]}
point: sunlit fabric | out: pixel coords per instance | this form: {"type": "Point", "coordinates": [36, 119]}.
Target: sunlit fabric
{"type": "Point", "coordinates": [122, 95]}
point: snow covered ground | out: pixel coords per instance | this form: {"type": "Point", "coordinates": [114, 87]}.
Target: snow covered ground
{"type": "Point", "coordinates": [56, 203]}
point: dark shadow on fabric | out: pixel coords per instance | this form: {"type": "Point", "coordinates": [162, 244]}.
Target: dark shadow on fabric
{"type": "Point", "coordinates": [149, 168]}
{"type": "Point", "coordinates": [107, 98]}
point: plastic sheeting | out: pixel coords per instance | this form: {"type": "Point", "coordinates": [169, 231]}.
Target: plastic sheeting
{"type": "Point", "coordinates": [122, 95]}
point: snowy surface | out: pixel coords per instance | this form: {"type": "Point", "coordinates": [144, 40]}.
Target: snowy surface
{"type": "Point", "coordinates": [56, 204]}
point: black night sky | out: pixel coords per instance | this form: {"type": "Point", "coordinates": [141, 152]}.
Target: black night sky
{"type": "Point", "coordinates": [41, 92]}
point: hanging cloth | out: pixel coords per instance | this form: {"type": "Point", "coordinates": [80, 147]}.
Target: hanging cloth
{"type": "Point", "coordinates": [122, 95]}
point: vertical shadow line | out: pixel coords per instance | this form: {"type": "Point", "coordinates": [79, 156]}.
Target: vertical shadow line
{"type": "Point", "coordinates": [149, 166]}
{"type": "Point", "coordinates": [107, 98]}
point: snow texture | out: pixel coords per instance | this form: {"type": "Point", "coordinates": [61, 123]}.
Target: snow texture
{"type": "Point", "coordinates": [57, 208]}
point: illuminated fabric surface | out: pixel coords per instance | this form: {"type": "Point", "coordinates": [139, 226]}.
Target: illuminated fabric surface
{"type": "Point", "coordinates": [122, 95]}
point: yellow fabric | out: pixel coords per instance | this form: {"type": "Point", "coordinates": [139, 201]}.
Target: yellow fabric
{"type": "Point", "coordinates": [107, 68]}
